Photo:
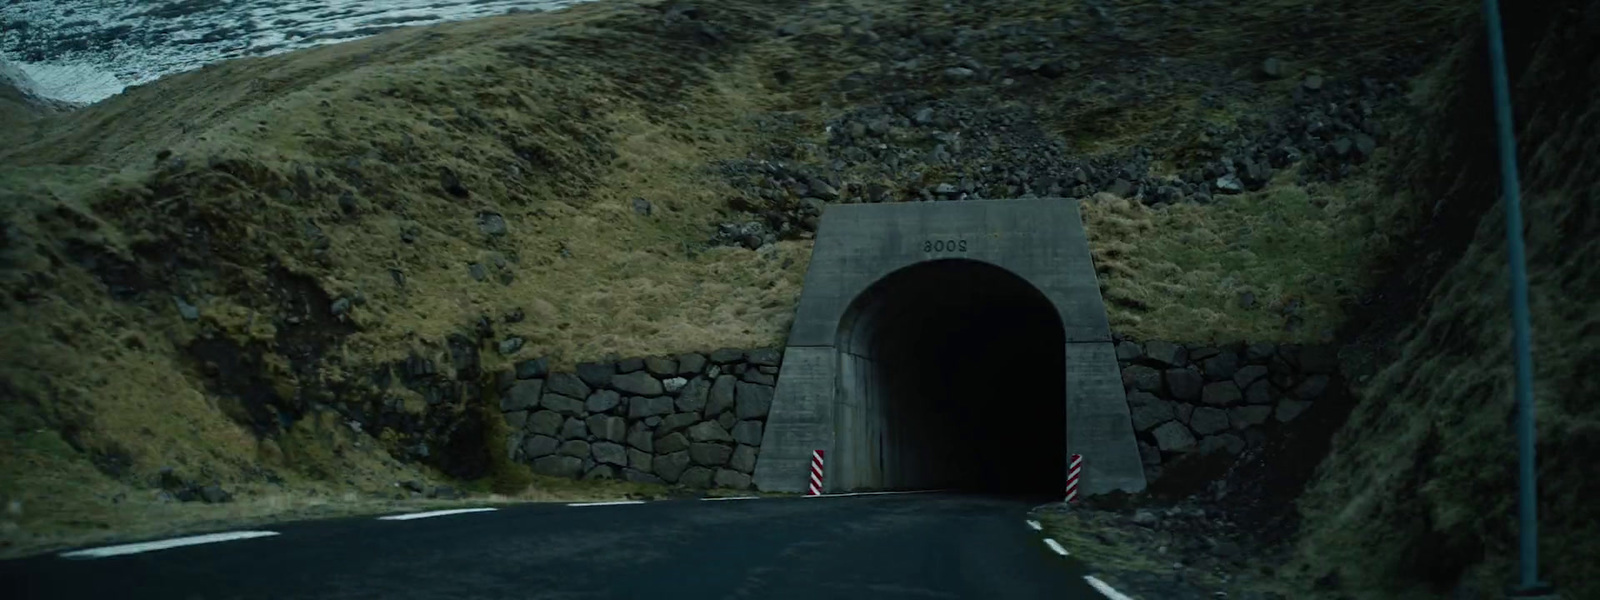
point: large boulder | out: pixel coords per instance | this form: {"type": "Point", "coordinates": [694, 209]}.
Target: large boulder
{"type": "Point", "coordinates": [1142, 378]}
{"type": "Point", "coordinates": [710, 455]}
{"type": "Point", "coordinates": [692, 398]}
{"type": "Point", "coordinates": [1221, 393]}
{"type": "Point", "coordinates": [1249, 374]}
{"type": "Point", "coordinates": [672, 442]}
{"type": "Point", "coordinates": [638, 383]}
{"type": "Point", "coordinates": [602, 401]}
{"type": "Point", "coordinates": [1142, 398]}
{"type": "Point", "coordinates": [1151, 414]}
{"type": "Point", "coordinates": [743, 459]}
{"type": "Point", "coordinates": [709, 431]}
{"type": "Point", "coordinates": [1184, 384]}
{"type": "Point", "coordinates": [567, 384]}
{"type": "Point", "coordinates": [545, 422]}
{"type": "Point", "coordinates": [753, 401]}
{"type": "Point", "coordinates": [574, 429]}
{"type": "Point", "coordinates": [641, 461]}
{"type": "Point", "coordinates": [756, 376]}
{"type": "Point", "coordinates": [535, 446]}
{"type": "Point", "coordinates": [764, 357]}
{"type": "Point", "coordinates": [640, 407]}
{"type": "Point", "coordinates": [661, 366]}
{"type": "Point", "coordinates": [721, 397]}
{"type": "Point", "coordinates": [576, 448]}
{"type": "Point", "coordinates": [691, 364]}
{"type": "Point", "coordinates": [724, 356]}
{"type": "Point", "coordinates": [610, 454]}
{"type": "Point", "coordinates": [1222, 366]}
{"type": "Point", "coordinates": [517, 420]}
{"type": "Point", "coordinates": [1173, 437]}
{"type": "Point", "coordinates": [677, 421]}
{"type": "Point", "coordinates": [671, 466]}
{"type": "Point", "coordinates": [607, 427]}
{"type": "Point", "coordinates": [1260, 392]}
{"type": "Point", "coordinates": [1129, 351]}
{"type": "Point", "coordinates": [597, 374]}
{"type": "Point", "coordinates": [696, 477]}
{"type": "Point", "coordinates": [747, 432]}
{"type": "Point", "coordinates": [1165, 354]}
{"type": "Point", "coordinates": [1260, 352]}
{"type": "Point", "coordinates": [639, 436]}
{"type": "Point", "coordinates": [522, 396]}
{"type": "Point", "coordinates": [565, 405]}
{"type": "Point", "coordinates": [1207, 420]}
{"type": "Point", "coordinates": [558, 466]}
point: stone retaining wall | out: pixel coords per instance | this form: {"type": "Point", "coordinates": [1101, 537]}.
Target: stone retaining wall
{"type": "Point", "coordinates": [692, 419]}
{"type": "Point", "coordinates": [1201, 400]}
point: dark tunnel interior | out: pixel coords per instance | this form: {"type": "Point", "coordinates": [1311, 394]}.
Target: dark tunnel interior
{"type": "Point", "coordinates": [954, 378]}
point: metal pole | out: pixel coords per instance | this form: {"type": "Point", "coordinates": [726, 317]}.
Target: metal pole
{"type": "Point", "coordinates": [1528, 518]}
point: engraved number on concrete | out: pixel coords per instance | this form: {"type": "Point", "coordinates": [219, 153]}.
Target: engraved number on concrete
{"type": "Point", "coordinates": [946, 245]}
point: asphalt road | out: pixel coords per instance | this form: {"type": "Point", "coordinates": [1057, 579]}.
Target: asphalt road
{"type": "Point", "coordinates": [881, 547]}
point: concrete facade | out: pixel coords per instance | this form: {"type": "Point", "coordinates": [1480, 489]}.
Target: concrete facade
{"type": "Point", "coordinates": [826, 397]}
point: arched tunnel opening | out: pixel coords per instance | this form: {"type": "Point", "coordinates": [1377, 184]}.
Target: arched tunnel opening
{"type": "Point", "coordinates": [952, 376]}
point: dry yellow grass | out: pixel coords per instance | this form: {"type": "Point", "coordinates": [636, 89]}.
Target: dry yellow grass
{"type": "Point", "coordinates": [269, 145]}
{"type": "Point", "coordinates": [1179, 272]}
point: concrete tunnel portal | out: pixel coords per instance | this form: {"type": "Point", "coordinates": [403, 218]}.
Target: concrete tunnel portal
{"type": "Point", "coordinates": [952, 377]}
{"type": "Point", "coordinates": [950, 345]}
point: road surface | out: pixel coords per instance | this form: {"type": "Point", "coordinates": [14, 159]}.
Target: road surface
{"type": "Point", "coordinates": [940, 546]}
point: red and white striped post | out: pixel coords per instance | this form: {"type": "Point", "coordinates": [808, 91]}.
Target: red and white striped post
{"type": "Point", "coordinates": [1074, 469]}
{"type": "Point", "coordinates": [816, 474]}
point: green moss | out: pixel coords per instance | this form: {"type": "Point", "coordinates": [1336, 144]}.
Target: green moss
{"type": "Point", "coordinates": [505, 475]}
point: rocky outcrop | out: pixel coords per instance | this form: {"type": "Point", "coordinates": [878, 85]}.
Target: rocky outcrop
{"type": "Point", "coordinates": [1195, 400]}
{"type": "Point", "coordinates": [691, 420]}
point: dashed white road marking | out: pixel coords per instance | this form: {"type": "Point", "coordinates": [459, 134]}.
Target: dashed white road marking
{"type": "Point", "coordinates": [1035, 525]}
{"type": "Point", "coordinates": [434, 513]}
{"type": "Point", "coordinates": [1056, 546]}
{"type": "Point", "coordinates": [1100, 586]}
{"type": "Point", "coordinates": [612, 503]}
{"type": "Point", "coordinates": [165, 544]}
{"type": "Point", "coordinates": [732, 498]}
{"type": "Point", "coordinates": [875, 493]}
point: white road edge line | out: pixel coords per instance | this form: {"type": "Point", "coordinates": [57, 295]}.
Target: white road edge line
{"type": "Point", "coordinates": [434, 513]}
{"type": "Point", "coordinates": [732, 498]}
{"type": "Point", "coordinates": [1100, 586]}
{"type": "Point", "coordinates": [1056, 546]}
{"type": "Point", "coordinates": [875, 493]}
{"type": "Point", "coordinates": [165, 544]}
{"type": "Point", "coordinates": [613, 503]}
{"type": "Point", "coordinates": [1035, 525]}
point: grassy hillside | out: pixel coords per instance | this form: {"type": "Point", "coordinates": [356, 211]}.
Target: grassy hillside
{"type": "Point", "coordinates": [1418, 496]}
{"type": "Point", "coordinates": [263, 232]}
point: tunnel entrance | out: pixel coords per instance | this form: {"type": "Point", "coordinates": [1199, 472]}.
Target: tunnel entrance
{"type": "Point", "coordinates": [951, 375]}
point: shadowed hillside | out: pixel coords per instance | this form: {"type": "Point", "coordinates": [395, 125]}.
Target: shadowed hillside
{"type": "Point", "coordinates": [204, 273]}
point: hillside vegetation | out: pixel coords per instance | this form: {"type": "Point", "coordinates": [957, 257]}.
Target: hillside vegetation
{"type": "Point", "coordinates": [1418, 495]}
{"type": "Point", "coordinates": [202, 272]}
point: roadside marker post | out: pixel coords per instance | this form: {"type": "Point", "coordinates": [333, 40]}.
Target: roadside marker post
{"type": "Point", "coordinates": [816, 474]}
{"type": "Point", "coordinates": [1074, 469]}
